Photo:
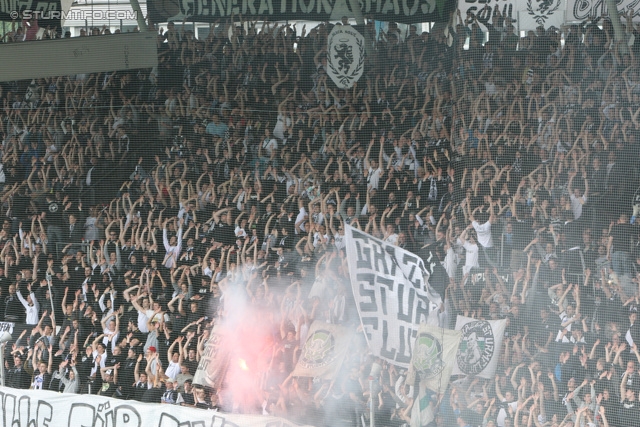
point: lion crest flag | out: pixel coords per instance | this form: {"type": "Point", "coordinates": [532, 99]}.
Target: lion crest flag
{"type": "Point", "coordinates": [480, 346]}
{"type": "Point", "coordinates": [323, 351]}
{"type": "Point", "coordinates": [433, 348]}
{"type": "Point", "coordinates": [345, 56]}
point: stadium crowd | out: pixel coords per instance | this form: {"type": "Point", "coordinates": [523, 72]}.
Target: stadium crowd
{"type": "Point", "coordinates": [134, 201]}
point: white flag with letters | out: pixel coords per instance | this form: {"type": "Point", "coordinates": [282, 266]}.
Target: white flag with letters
{"type": "Point", "coordinates": [391, 289]}
{"type": "Point", "coordinates": [480, 346]}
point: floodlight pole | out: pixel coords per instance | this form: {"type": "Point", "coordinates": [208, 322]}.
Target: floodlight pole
{"type": "Point", "coordinates": [142, 24]}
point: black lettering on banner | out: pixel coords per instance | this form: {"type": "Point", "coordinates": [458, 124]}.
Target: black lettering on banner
{"type": "Point", "coordinates": [422, 309]}
{"type": "Point", "coordinates": [408, 316]}
{"type": "Point", "coordinates": [583, 9]}
{"type": "Point", "coordinates": [371, 321]}
{"type": "Point", "coordinates": [18, 411]}
{"type": "Point", "coordinates": [363, 256]}
{"type": "Point", "coordinates": [389, 354]}
{"type": "Point", "coordinates": [391, 251]}
{"type": "Point", "coordinates": [406, 338]}
{"type": "Point", "coordinates": [379, 257]}
{"type": "Point", "coordinates": [7, 326]}
{"type": "Point", "coordinates": [410, 260]}
{"type": "Point", "coordinates": [167, 420]}
{"type": "Point", "coordinates": [383, 292]}
{"type": "Point", "coordinates": [87, 415]}
{"type": "Point", "coordinates": [371, 306]}
{"type": "Point", "coordinates": [484, 14]}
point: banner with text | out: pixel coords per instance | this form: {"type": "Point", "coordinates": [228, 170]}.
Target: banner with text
{"type": "Point", "coordinates": [531, 13]}
{"type": "Point", "coordinates": [392, 293]}
{"type": "Point", "coordinates": [38, 409]}
{"type": "Point", "coordinates": [480, 346]}
{"type": "Point", "coordinates": [214, 362]}
{"type": "Point", "coordinates": [406, 11]}
{"type": "Point", "coordinates": [579, 10]}
{"type": "Point", "coordinates": [323, 351]}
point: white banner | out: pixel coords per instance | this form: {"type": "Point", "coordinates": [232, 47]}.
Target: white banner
{"type": "Point", "coordinates": [390, 287]}
{"type": "Point", "coordinates": [38, 409]}
{"type": "Point", "coordinates": [433, 350]}
{"type": "Point", "coordinates": [480, 346]}
{"type": "Point", "coordinates": [323, 351]}
{"type": "Point", "coordinates": [7, 327]}
{"type": "Point", "coordinates": [345, 56]}
{"type": "Point", "coordinates": [580, 10]}
{"type": "Point", "coordinates": [214, 361]}
{"type": "Point", "coordinates": [531, 13]}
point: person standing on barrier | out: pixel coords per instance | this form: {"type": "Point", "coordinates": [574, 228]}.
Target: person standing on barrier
{"type": "Point", "coordinates": [482, 223]}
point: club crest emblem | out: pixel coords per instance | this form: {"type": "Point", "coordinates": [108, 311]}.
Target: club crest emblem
{"type": "Point", "coordinates": [541, 10]}
{"type": "Point", "coordinates": [318, 350]}
{"type": "Point", "coordinates": [427, 356]}
{"type": "Point", "coordinates": [476, 347]}
{"type": "Point", "coordinates": [345, 56]}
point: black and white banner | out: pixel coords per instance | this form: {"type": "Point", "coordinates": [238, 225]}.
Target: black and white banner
{"type": "Point", "coordinates": [580, 10]}
{"type": "Point", "coordinates": [37, 408]}
{"type": "Point", "coordinates": [480, 346]}
{"type": "Point", "coordinates": [406, 11]}
{"type": "Point", "coordinates": [530, 13]}
{"type": "Point", "coordinates": [345, 56]}
{"type": "Point", "coordinates": [391, 290]}
{"type": "Point", "coordinates": [214, 361]}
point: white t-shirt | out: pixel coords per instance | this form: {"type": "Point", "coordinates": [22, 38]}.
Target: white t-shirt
{"type": "Point", "coordinates": [373, 178]}
{"type": "Point", "coordinates": [484, 233]}
{"type": "Point", "coordinates": [471, 259]}
{"type": "Point", "coordinates": [240, 232]}
{"type": "Point", "coordinates": [300, 217]}
{"type": "Point", "coordinates": [502, 414]}
{"type": "Point", "coordinates": [172, 370]}
{"type": "Point", "coordinates": [576, 205]}
{"type": "Point", "coordinates": [269, 145]}
{"type": "Point", "coordinates": [393, 239]}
